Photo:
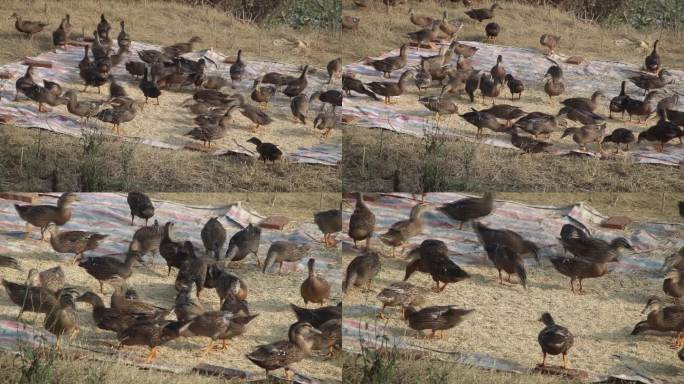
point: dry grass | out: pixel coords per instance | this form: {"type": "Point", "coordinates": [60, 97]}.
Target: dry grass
{"type": "Point", "coordinates": [440, 372]}
{"type": "Point", "coordinates": [468, 166]}
{"type": "Point", "coordinates": [148, 168]}
{"type": "Point", "coordinates": [269, 296]}
{"type": "Point", "coordinates": [29, 158]}
{"type": "Point", "coordinates": [465, 166]}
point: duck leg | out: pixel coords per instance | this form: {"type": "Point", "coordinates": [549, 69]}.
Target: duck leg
{"type": "Point", "coordinates": [565, 361]}
{"type": "Point", "coordinates": [208, 348]}
{"type": "Point", "coordinates": [543, 363]}
{"type": "Point", "coordinates": [381, 314]}
{"type": "Point", "coordinates": [74, 334]}
{"type": "Point", "coordinates": [27, 231]}
{"type": "Point", "coordinates": [572, 285]}
{"type": "Point", "coordinates": [257, 260]}
{"type": "Point", "coordinates": [151, 356]}
{"type": "Point", "coordinates": [581, 292]}
{"type": "Point", "coordinates": [289, 374]}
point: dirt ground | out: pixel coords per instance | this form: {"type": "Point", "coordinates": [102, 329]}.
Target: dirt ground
{"type": "Point", "coordinates": [504, 324]}
{"type": "Point", "coordinates": [269, 295]}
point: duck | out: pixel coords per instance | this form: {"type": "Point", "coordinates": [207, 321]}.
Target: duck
{"type": "Point", "coordinates": [553, 87]}
{"type": "Point", "coordinates": [262, 95]}
{"type": "Point", "coordinates": [140, 206]}
{"type": "Point", "coordinates": [232, 302]}
{"type": "Point", "coordinates": [123, 39]}
{"type": "Point", "coordinates": [391, 63]}
{"type": "Point", "coordinates": [492, 30]}
{"type": "Point", "coordinates": [213, 237]}
{"type": "Point", "coordinates": [425, 35]}
{"type": "Point", "coordinates": [283, 250]}
{"type": "Point", "coordinates": [152, 334]}
{"type": "Point", "coordinates": [124, 110]}
{"type": "Point", "coordinates": [528, 144]}
{"type": "Point", "coordinates": [481, 14]}
{"type": "Point", "coordinates": [652, 61]}
{"type": "Point", "coordinates": [583, 103]}
{"type": "Point", "coordinates": [267, 151]}
{"type": "Point", "coordinates": [42, 215]}
{"type": "Point", "coordinates": [454, 83]}
{"type": "Point", "coordinates": [489, 87]}
{"type": "Point", "coordinates": [436, 318]}
{"type": "Point", "coordinates": [419, 20]}
{"type": "Point", "coordinates": [208, 131]}
{"type": "Point", "coordinates": [149, 87]}
{"type": "Point", "coordinates": [450, 27]}
{"type": "Point", "coordinates": [554, 339]}
{"type": "Point", "coordinates": [649, 82]}
{"type": "Point", "coordinates": [581, 116]}
{"type": "Point", "coordinates": [59, 36]}
{"type": "Point", "coordinates": [399, 294]}
{"type": "Point", "coordinates": [284, 353]}
{"type": "Point", "coordinates": [620, 136]}
{"type": "Point", "coordinates": [193, 269]}
{"type": "Point", "coordinates": [215, 82]}
{"type": "Point", "coordinates": [439, 105]}
{"type": "Point", "coordinates": [76, 242]}
{"type": "Point", "coordinates": [498, 71]}
{"type": "Point", "coordinates": [401, 231]}
{"type": "Point", "coordinates": [147, 239]}
{"type": "Point", "coordinates": [299, 106]}
{"type": "Point", "coordinates": [351, 83]}
{"type": "Point", "coordinates": [465, 51]}
{"type": "Point", "coordinates": [62, 319]}
{"type": "Point", "coordinates": [25, 83]}
{"type": "Point", "coordinates": [329, 222]}
{"type": "Point", "coordinates": [483, 120]}
{"type": "Point", "coordinates": [505, 112]}
{"type": "Point", "coordinates": [492, 238]}
{"type": "Point", "coordinates": [350, 22]}
{"type": "Point", "coordinates": [110, 319]}
{"type": "Point", "coordinates": [83, 109]}
{"type": "Point", "coordinates": [669, 103]}
{"type": "Point", "coordinates": [44, 95]}
{"type": "Point", "coordinates": [314, 289]}
{"type": "Point", "coordinates": [641, 108]}
{"type": "Point", "coordinates": [661, 133]}
{"type": "Point", "coordinates": [617, 103]}
{"type": "Point", "coordinates": [390, 89]}
{"type": "Point", "coordinates": [538, 123]}
{"type": "Point", "coordinates": [673, 284]}
{"type": "Point", "coordinates": [472, 84]}
{"type": "Point", "coordinates": [422, 79]}
{"type": "Point", "coordinates": [508, 260]}
{"type": "Point", "coordinates": [116, 90]}
{"type": "Point", "coordinates": [326, 122]}
{"type": "Point", "coordinates": [298, 85]}
{"type": "Point", "coordinates": [550, 41]}
{"type": "Point", "coordinates": [361, 222]}
{"type": "Point", "coordinates": [27, 27]}
{"type": "Point", "coordinates": [255, 115]}
{"type": "Point", "coordinates": [171, 251]}
{"type": "Point", "coordinates": [103, 27]}
{"type": "Point", "coordinates": [52, 279]}
{"type": "Point", "coordinates": [244, 242]}
{"type": "Point", "coordinates": [107, 267]}
{"type": "Point", "coordinates": [179, 49]}
{"type": "Point", "coordinates": [578, 268]}
{"type": "Point", "coordinates": [277, 79]}
{"type": "Point", "coordinates": [361, 270]}
{"type": "Point", "coordinates": [515, 86]}
{"type": "Point", "coordinates": [9, 262]}
{"type": "Point", "coordinates": [187, 305]}
{"type": "Point", "coordinates": [228, 285]}
{"type": "Point", "coordinates": [30, 298]}
{"type": "Point", "coordinates": [135, 68]}
{"type": "Point", "coordinates": [317, 316]}
{"type": "Point", "coordinates": [238, 68]}
{"type": "Point", "coordinates": [330, 338]}
{"type": "Point", "coordinates": [334, 68]}
{"type": "Point", "coordinates": [586, 134]}
{"type": "Point", "coordinates": [218, 325]}
{"type": "Point", "coordinates": [595, 249]}
{"type": "Point", "coordinates": [665, 319]}
{"type": "Point", "coordinates": [133, 306]}
{"type": "Point", "coordinates": [431, 257]}
{"type": "Point", "coordinates": [469, 208]}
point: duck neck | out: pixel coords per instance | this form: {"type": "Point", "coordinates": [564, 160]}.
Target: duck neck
{"type": "Point", "coordinates": [96, 302]}
{"type": "Point", "coordinates": [302, 343]}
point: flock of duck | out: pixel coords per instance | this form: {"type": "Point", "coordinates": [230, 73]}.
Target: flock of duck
{"type": "Point", "coordinates": [438, 71]}
{"type": "Point", "coordinates": [166, 70]}
{"type": "Point", "coordinates": [506, 250]}
{"type": "Point", "coordinates": [137, 322]}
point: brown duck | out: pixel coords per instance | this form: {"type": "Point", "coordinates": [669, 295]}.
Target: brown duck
{"type": "Point", "coordinates": [104, 268]}
{"type": "Point", "coordinates": [314, 289]}
{"type": "Point", "coordinates": [42, 215]}
{"type": "Point", "coordinates": [401, 231]}
{"type": "Point", "coordinates": [76, 242]}
{"type": "Point", "coordinates": [431, 257]}
{"type": "Point", "coordinates": [480, 14]}
{"type": "Point", "coordinates": [554, 339]}
{"type": "Point", "coordinates": [140, 205]}
{"type": "Point", "coordinates": [361, 222]}
{"type": "Point", "coordinates": [577, 268]}
{"type": "Point", "coordinates": [620, 136]}
{"type": "Point", "coordinates": [586, 134]}
{"type": "Point", "coordinates": [583, 103]}
{"type": "Point", "coordinates": [550, 41]}
{"type": "Point", "coordinates": [399, 294]}
{"type": "Point", "coordinates": [469, 208]}
{"type": "Point", "coordinates": [437, 318]}
{"type": "Point", "coordinates": [665, 319]}
{"type": "Point", "coordinates": [281, 251]}
{"type": "Point", "coordinates": [329, 222]}
{"type": "Point", "coordinates": [652, 61]}
{"type": "Point", "coordinates": [29, 28]}
{"type": "Point", "coordinates": [298, 85]}
{"type": "Point", "coordinates": [362, 270]}
{"type": "Point", "coordinates": [390, 89]}
{"type": "Point", "coordinates": [673, 285]}
{"type": "Point", "coordinates": [661, 133]}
